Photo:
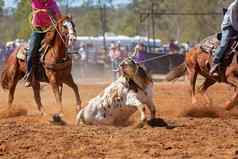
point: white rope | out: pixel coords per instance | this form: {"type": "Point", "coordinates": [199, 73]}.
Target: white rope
{"type": "Point", "coordinates": [152, 58]}
{"type": "Point", "coordinates": [54, 24]}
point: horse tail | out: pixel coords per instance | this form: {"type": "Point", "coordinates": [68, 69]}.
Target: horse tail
{"type": "Point", "coordinates": [177, 72]}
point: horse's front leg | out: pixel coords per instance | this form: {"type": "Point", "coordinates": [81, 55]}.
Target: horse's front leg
{"type": "Point", "coordinates": [12, 88]}
{"type": "Point", "coordinates": [56, 91]}
{"type": "Point", "coordinates": [37, 97]}
{"type": "Point", "coordinates": [192, 74]}
{"type": "Point", "coordinates": [70, 82]}
{"type": "Point", "coordinates": [203, 88]}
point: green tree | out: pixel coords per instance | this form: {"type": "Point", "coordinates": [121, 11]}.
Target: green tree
{"type": "Point", "coordinates": [125, 19]}
{"type": "Point", "coordinates": [23, 22]}
{"type": "Point", "coordinates": [1, 7]}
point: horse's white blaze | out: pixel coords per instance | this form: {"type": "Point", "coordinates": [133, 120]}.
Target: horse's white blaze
{"type": "Point", "coordinates": [116, 102]}
{"type": "Point", "coordinates": [72, 34]}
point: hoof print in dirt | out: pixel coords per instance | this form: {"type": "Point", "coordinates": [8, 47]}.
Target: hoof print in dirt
{"type": "Point", "coordinates": [57, 120]}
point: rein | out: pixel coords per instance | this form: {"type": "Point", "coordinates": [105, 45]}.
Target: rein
{"type": "Point", "coordinates": [57, 30]}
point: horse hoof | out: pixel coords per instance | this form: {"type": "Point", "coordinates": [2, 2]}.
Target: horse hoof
{"type": "Point", "coordinates": [56, 119]}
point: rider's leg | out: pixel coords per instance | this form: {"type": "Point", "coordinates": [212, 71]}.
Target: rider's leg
{"type": "Point", "coordinates": [221, 50]}
{"type": "Point", "coordinates": [35, 44]}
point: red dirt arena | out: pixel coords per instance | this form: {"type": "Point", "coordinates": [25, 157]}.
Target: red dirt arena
{"type": "Point", "coordinates": [200, 131]}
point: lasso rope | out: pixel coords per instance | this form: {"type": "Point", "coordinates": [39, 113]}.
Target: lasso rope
{"type": "Point", "coordinates": [53, 26]}
{"type": "Point", "coordinates": [144, 61]}
{"type": "Point", "coordinates": [152, 59]}
{"type": "Point", "coordinates": [35, 28]}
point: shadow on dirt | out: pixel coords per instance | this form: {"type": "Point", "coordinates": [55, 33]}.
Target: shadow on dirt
{"type": "Point", "coordinates": [200, 111]}
{"type": "Point", "coordinates": [158, 122]}
{"type": "Point", "coordinates": [12, 112]}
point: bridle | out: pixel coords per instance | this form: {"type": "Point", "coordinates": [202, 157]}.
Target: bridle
{"type": "Point", "coordinates": [65, 23]}
{"type": "Point", "coordinates": [57, 30]}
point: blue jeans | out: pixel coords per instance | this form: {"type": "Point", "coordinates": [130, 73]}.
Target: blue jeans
{"type": "Point", "coordinates": [227, 35]}
{"type": "Point", "coordinates": [35, 44]}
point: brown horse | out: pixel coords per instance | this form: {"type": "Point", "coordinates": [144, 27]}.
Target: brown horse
{"type": "Point", "coordinates": [55, 61]}
{"type": "Point", "coordinates": [198, 62]}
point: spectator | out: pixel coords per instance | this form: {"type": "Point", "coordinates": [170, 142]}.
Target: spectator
{"type": "Point", "coordinates": [139, 54]}
{"type": "Point", "coordinates": [83, 60]}
{"type": "Point", "coordinates": [173, 47]}
{"type": "Point", "coordinates": [115, 56]}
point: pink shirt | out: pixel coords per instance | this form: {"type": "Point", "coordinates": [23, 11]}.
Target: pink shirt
{"type": "Point", "coordinates": [41, 19]}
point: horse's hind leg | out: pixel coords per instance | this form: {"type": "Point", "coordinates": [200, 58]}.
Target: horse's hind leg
{"type": "Point", "coordinates": [37, 97]}
{"type": "Point", "coordinates": [56, 91]}
{"type": "Point", "coordinates": [203, 88]}
{"type": "Point", "coordinates": [70, 82]}
{"type": "Point", "coordinates": [11, 92]}
{"type": "Point", "coordinates": [192, 74]}
{"type": "Point", "coordinates": [12, 89]}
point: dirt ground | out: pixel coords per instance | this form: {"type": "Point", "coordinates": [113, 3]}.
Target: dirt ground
{"type": "Point", "coordinates": [200, 131]}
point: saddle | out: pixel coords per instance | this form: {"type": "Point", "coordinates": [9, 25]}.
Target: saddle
{"type": "Point", "coordinates": [37, 68]}
{"type": "Point", "coordinates": [38, 62]}
{"type": "Point", "coordinates": [22, 53]}
{"type": "Point", "coordinates": [210, 44]}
